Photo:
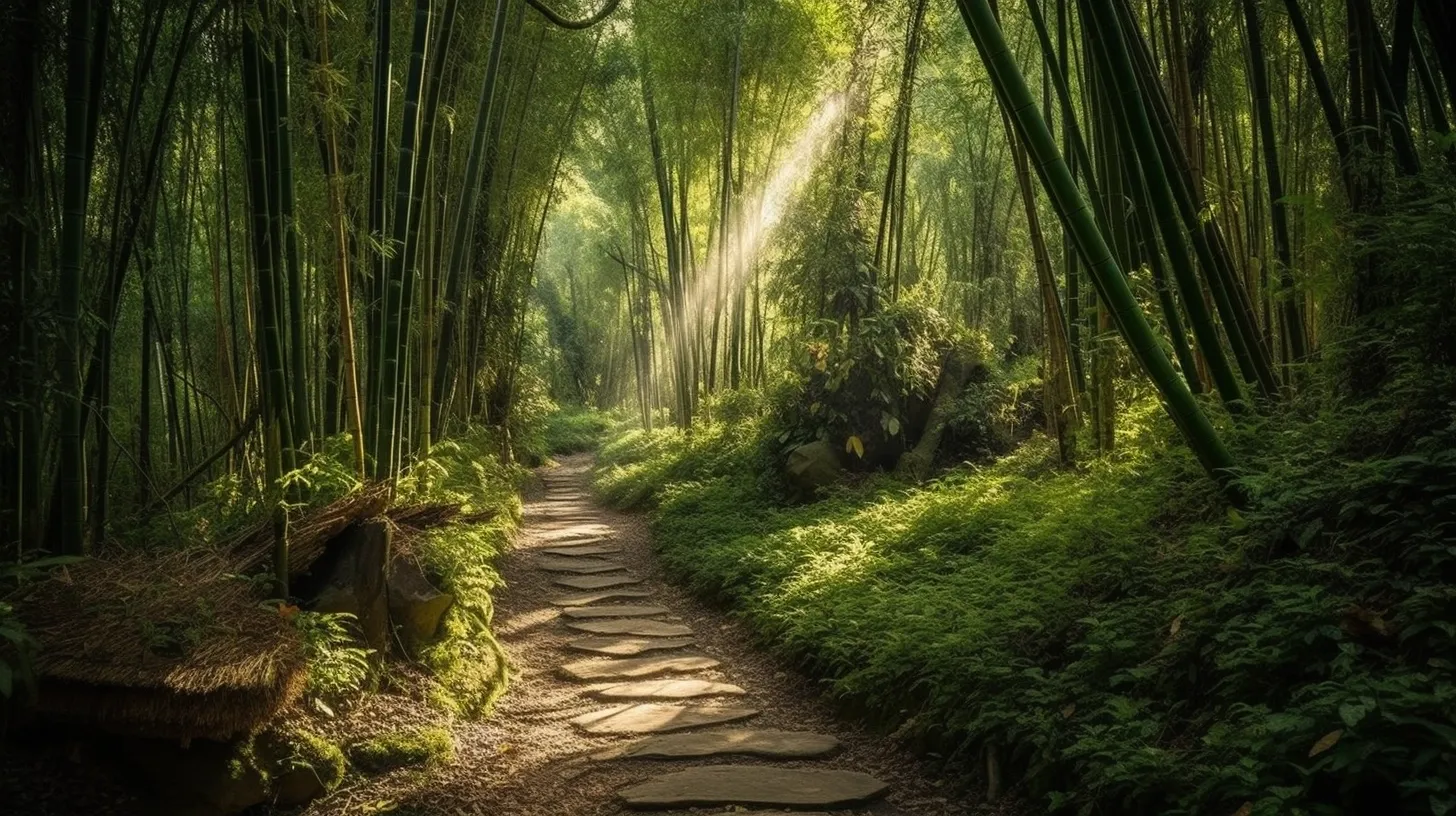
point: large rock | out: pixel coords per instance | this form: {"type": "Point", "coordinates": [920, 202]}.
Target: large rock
{"type": "Point", "coordinates": [416, 607]}
{"type": "Point", "coordinates": [350, 578]}
{"type": "Point", "coordinates": [813, 466]}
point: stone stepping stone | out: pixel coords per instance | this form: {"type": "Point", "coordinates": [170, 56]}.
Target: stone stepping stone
{"type": "Point", "coordinates": [627, 646]}
{"type": "Point", "coordinates": [580, 566]}
{"type": "Point", "coordinates": [582, 550]}
{"type": "Point", "coordinates": [598, 581]}
{"type": "Point", "coordinates": [682, 689]}
{"type": "Point", "coordinates": [655, 718]}
{"type": "Point", "coordinates": [640, 627]}
{"type": "Point", "coordinates": [618, 611]}
{"type": "Point", "coordinates": [569, 541]}
{"type": "Point", "coordinates": [754, 785]}
{"type": "Point", "coordinates": [605, 595]}
{"type": "Point", "coordinates": [741, 741]}
{"type": "Point", "coordinates": [636, 667]}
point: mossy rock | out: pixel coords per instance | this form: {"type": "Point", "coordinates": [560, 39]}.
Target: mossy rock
{"type": "Point", "coordinates": [420, 747]}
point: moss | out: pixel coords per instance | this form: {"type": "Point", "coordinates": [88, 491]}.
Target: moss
{"type": "Point", "coordinates": [420, 747]}
{"type": "Point", "coordinates": [309, 751]}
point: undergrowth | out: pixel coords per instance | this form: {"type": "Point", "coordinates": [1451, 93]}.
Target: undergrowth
{"type": "Point", "coordinates": [1126, 642]}
{"type": "Point", "coordinates": [467, 662]}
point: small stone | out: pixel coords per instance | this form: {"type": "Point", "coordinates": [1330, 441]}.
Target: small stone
{"type": "Point", "coordinates": [754, 785]}
{"type": "Point", "coordinates": [682, 689]}
{"type": "Point", "coordinates": [598, 581]}
{"type": "Point", "coordinates": [641, 627]}
{"type": "Point", "coordinates": [604, 595]}
{"type": "Point", "coordinates": [655, 718]}
{"type": "Point", "coordinates": [740, 741]}
{"type": "Point", "coordinates": [619, 611]}
{"type": "Point", "coordinates": [635, 667]}
{"type": "Point", "coordinates": [627, 646]}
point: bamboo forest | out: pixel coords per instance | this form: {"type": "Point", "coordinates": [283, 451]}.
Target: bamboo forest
{"type": "Point", "coordinates": [577, 407]}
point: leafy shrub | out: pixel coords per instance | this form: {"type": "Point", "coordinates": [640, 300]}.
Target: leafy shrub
{"type": "Point", "coordinates": [337, 667]}
{"type": "Point", "coordinates": [467, 662]}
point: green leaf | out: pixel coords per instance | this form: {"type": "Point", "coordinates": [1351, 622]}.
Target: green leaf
{"type": "Point", "coordinates": [1352, 714]}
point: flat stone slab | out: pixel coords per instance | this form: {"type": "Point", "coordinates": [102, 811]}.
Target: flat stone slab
{"type": "Point", "coordinates": [580, 566]}
{"type": "Point", "coordinates": [618, 611]}
{"type": "Point", "coordinates": [655, 718]}
{"type": "Point", "coordinates": [680, 689]}
{"type": "Point", "coordinates": [641, 627]}
{"type": "Point", "coordinates": [568, 541]}
{"type": "Point", "coordinates": [740, 741]}
{"type": "Point", "coordinates": [605, 595]}
{"type": "Point", "coordinates": [627, 646]}
{"type": "Point", "coordinates": [754, 785]}
{"type": "Point", "coordinates": [583, 550]}
{"type": "Point", "coordinates": [636, 667]}
{"type": "Point", "coordinates": [598, 581]}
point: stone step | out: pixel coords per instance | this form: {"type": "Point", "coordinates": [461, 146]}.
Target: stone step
{"type": "Point", "coordinates": [764, 743]}
{"type": "Point", "coordinates": [580, 566]}
{"type": "Point", "coordinates": [582, 550]}
{"type": "Point", "coordinates": [753, 785]}
{"type": "Point", "coordinates": [640, 627]}
{"type": "Point", "coordinates": [619, 611]}
{"type": "Point", "coordinates": [590, 670]}
{"type": "Point", "coordinates": [579, 534]}
{"type": "Point", "coordinates": [587, 598]}
{"type": "Point", "coordinates": [656, 718]}
{"type": "Point", "coordinates": [598, 581]}
{"type": "Point", "coordinates": [627, 646]}
{"type": "Point", "coordinates": [681, 689]}
{"type": "Point", "coordinates": [570, 541]}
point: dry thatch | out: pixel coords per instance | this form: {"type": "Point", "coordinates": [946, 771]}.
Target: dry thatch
{"type": "Point", "coordinates": [172, 645]}
{"type": "Point", "coordinates": [179, 644]}
{"type": "Point", "coordinates": [309, 533]}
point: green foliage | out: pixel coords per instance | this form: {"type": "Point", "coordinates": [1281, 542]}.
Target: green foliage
{"type": "Point", "coordinates": [420, 747]}
{"type": "Point", "coordinates": [1130, 646]}
{"type": "Point", "coordinates": [468, 664]}
{"type": "Point", "coordinates": [867, 382]}
{"type": "Point", "coordinates": [575, 429]}
{"type": "Point", "coordinates": [288, 748]}
{"type": "Point", "coordinates": [337, 667]}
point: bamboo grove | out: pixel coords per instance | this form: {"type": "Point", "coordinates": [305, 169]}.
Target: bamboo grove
{"type": "Point", "coordinates": [237, 230]}
{"type": "Point", "coordinates": [1166, 192]}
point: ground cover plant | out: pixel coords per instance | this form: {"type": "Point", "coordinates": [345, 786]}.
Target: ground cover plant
{"type": "Point", "coordinates": [1115, 635]}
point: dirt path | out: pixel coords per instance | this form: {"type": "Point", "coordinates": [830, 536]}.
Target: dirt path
{"type": "Point", "coordinates": [530, 759]}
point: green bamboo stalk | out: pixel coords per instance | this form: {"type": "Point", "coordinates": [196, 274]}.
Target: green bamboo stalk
{"type": "Point", "coordinates": [1076, 214]}
{"type": "Point", "coordinates": [71, 495]}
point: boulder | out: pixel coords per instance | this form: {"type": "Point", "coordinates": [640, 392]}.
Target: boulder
{"type": "Point", "coordinates": [350, 578]}
{"type": "Point", "coordinates": [813, 466]}
{"type": "Point", "coordinates": [416, 607]}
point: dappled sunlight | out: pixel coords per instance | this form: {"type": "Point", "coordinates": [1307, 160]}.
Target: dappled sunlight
{"type": "Point", "coordinates": [522, 621]}
{"type": "Point", "coordinates": [764, 209]}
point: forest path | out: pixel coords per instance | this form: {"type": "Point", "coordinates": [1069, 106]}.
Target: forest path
{"type": "Point", "coordinates": [558, 745]}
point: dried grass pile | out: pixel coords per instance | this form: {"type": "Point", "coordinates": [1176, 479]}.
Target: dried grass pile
{"type": "Point", "coordinates": [176, 645]}
{"type": "Point", "coordinates": [179, 644]}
